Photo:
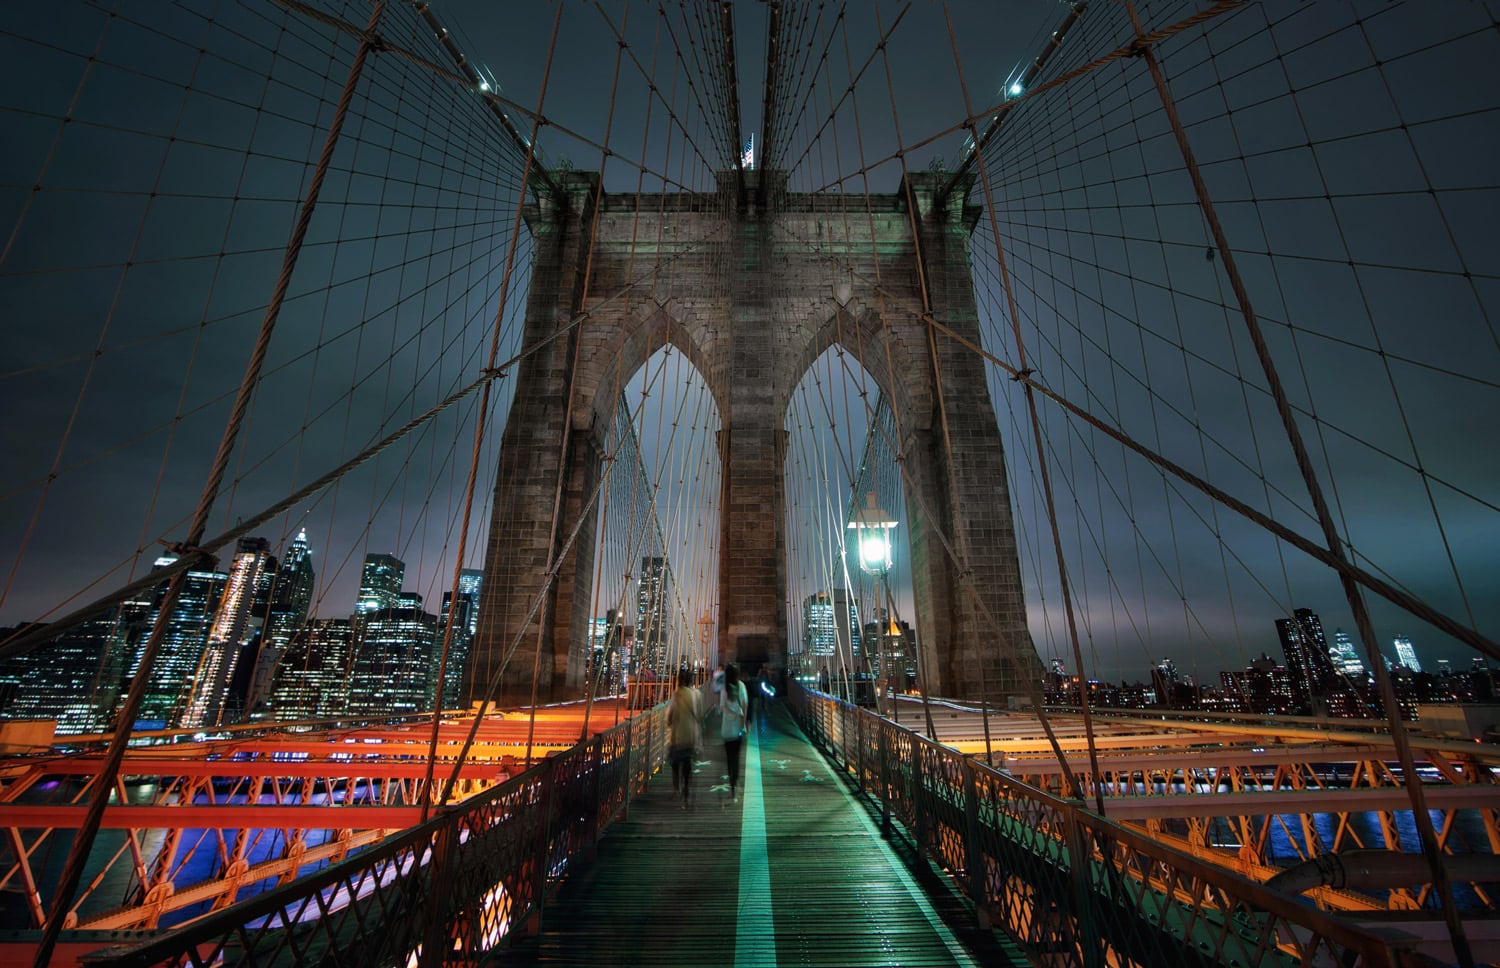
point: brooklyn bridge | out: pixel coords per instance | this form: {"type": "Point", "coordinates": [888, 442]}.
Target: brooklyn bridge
{"type": "Point", "coordinates": [1074, 423]}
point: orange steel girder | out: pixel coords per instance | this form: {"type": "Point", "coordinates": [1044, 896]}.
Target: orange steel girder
{"type": "Point", "coordinates": [1169, 776]}
{"type": "Point", "coordinates": [231, 797]}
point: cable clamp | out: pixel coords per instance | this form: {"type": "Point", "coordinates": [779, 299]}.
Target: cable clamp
{"type": "Point", "coordinates": [1022, 375]}
{"type": "Point", "coordinates": [183, 550]}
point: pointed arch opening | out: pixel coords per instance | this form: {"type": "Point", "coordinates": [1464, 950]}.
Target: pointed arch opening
{"type": "Point", "coordinates": [653, 603]}
{"type": "Point", "coordinates": [851, 615]}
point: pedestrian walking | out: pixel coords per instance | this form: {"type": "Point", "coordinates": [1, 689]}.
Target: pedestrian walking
{"type": "Point", "coordinates": [733, 705]}
{"type": "Point", "coordinates": [684, 727]}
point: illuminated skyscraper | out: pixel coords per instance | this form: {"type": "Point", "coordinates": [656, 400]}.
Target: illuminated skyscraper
{"type": "Point", "coordinates": [652, 617]}
{"type": "Point", "coordinates": [465, 613]}
{"type": "Point", "coordinates": [312, 679]}
{"type": "Point", "coordinates": [291, 592]}
{"type": "Point", "coordinates": [230, 632]}
{"type": "Point", "coordinates": [601, 662]}
{"type": "Point", "coordinates": [393, 664]}
{"type": "Point", "coordinates": [1406, 653]}
{"type": "Point", "coordinates": [891, 647]}
{"type": "Point", "coordinates": [74, 679]}
{"type": "Point", "coordinates": [182, 646]}
{"type": "Point", "coordinates": [818, 636]}
{"type": "Point", "coordinates": [282, 607]}
{"type": "Point", "coordinates": [379, 585]}
{"type": "Point", "coordinates": [1345, 656]}
{"type": "Point", "coordinates": [1263, 686]}
{"type": "Point", "coordinates": [1313, 677]}
{"type": "Point", "coordinates": [831, 634]}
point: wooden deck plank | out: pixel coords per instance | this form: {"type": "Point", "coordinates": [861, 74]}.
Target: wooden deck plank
{"type": "Point", "coordinates": [676, 887]}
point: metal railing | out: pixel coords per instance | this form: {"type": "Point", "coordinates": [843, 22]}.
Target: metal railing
{"type": "Point", "coordinates": [450, 889]}
{"type": "Point", "coordinates": [1071, 887]}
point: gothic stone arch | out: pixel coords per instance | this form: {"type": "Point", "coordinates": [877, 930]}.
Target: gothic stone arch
{"type": "Point", "coordinates": [752, 293]}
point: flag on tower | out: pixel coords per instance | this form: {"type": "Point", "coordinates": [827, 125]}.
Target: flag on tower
{"type": "Point", "coordinates": [747, 157]}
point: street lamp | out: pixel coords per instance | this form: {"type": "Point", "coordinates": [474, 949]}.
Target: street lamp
{"type": "Point", "coordinates": [705, 641]}
{"type": "Point", "coordinates": [872, 526]}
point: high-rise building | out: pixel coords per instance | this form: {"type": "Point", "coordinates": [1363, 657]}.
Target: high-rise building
{"type": "Point", "coordinates": [1316, 684]}
{"type": "Point", "coordinates": [831, 634]}
{"type": "Point", "coordinates": [1267, 686]}
{"type": "Point", "coordinates": [312, 678]}
{"type": "Point", "coordinates": [604, 665]}
{"type": "Point", "coordinates": [1173, 690]}
{"type": "Point", "coordinates": [231, 631]}
{"type": "Point", "coordinates": [1406, 653]}
{"type": "Point", "coordinates": [818, 637]}
{"type": "Point", "coordinates": [653, 618]}
{"type": "Point", "coordinates": [74, 679]}
{"type": "Point", "coordinates": [848, 638]}
{"type": "Point", "coordinates": [464, 614]}
{"type": "Point", "coordinates": [393, 664]}
{"type": "Point", "coordinates": [184, 640]}
{"type": "Point", "coordinates": [282, 606]}
{"type": "Point", "coordinates": [291, 592]}
{"type": "Point", "coordinates": [1345, 656]}
{"type": "Point", "coordinates": [470, 583]}
{"type": "Point", "coordinates": [379, 585]}
{"type": "Point", "coordinates": [892, 645]}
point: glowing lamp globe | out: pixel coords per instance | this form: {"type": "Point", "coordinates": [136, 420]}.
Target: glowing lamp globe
{"type": "Point", "coordinates": [872, 526]}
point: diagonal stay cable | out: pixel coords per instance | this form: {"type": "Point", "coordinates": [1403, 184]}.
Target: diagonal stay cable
{"type": "Point", "coordinates": [1382, 588]}
{"type": "Point", "coordinates": [201, 552]}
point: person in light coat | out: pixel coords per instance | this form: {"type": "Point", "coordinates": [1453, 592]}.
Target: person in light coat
{"type": "Point", "coordinates": [686, 734]}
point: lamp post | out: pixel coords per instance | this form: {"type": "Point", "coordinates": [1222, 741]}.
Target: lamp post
{"type": "Point", "coordinates": [705, 641]}
{"type": "Point", "coordinates": [872, 526]}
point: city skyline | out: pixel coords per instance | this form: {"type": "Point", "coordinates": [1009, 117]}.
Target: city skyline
{"type": "Point", "coordinates": [121, 321]}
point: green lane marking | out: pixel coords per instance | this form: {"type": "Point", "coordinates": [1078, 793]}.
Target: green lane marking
{"type": "Point", "coordinates": [755, 929]}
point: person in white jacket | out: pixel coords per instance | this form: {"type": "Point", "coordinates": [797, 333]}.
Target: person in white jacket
{"type": "Point", "coordinates": [734, 705]}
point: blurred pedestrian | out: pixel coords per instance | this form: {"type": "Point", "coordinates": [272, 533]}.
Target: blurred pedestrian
{"type": "Point", "coordinates": [733, 705]}
{"type": "Point", "coordinates": [684, 726]}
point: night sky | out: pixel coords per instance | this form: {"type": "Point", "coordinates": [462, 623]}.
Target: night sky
{"type": "Point", "coordinates": [1349, 149]}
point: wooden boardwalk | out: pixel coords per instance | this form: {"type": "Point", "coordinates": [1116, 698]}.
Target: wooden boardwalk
{"type": "Point", "coordinates": [794, 873]}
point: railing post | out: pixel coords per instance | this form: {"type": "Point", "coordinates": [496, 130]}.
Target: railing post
{"type": "Point", "coordinates": [436, 939]}
{"type": "Point", "coordinates": [596, 799]}
{"type": "Point", "coordinates": [543, 853]}
{"type": "Point", "coordinates": [629, 769]}
{"type": "Point", "coordinates": [1085, 924]}
{"type": "Point", "coordinates": [916, 795]}
{"type": "Point", "coordinates": [650, 754]}
{"type": "Point", "coordinates": [973, 853]}
{"type": "Point", "coordinates": [885, 782]}
{"type": "Point", "coordinates": [859, 753]}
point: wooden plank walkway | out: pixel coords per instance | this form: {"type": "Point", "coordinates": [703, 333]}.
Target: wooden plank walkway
{"type": "Point", "coordinates": [794, 873]}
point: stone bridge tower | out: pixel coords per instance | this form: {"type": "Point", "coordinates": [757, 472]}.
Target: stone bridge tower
{"type": "Point", "coordinates": [752, 283]}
